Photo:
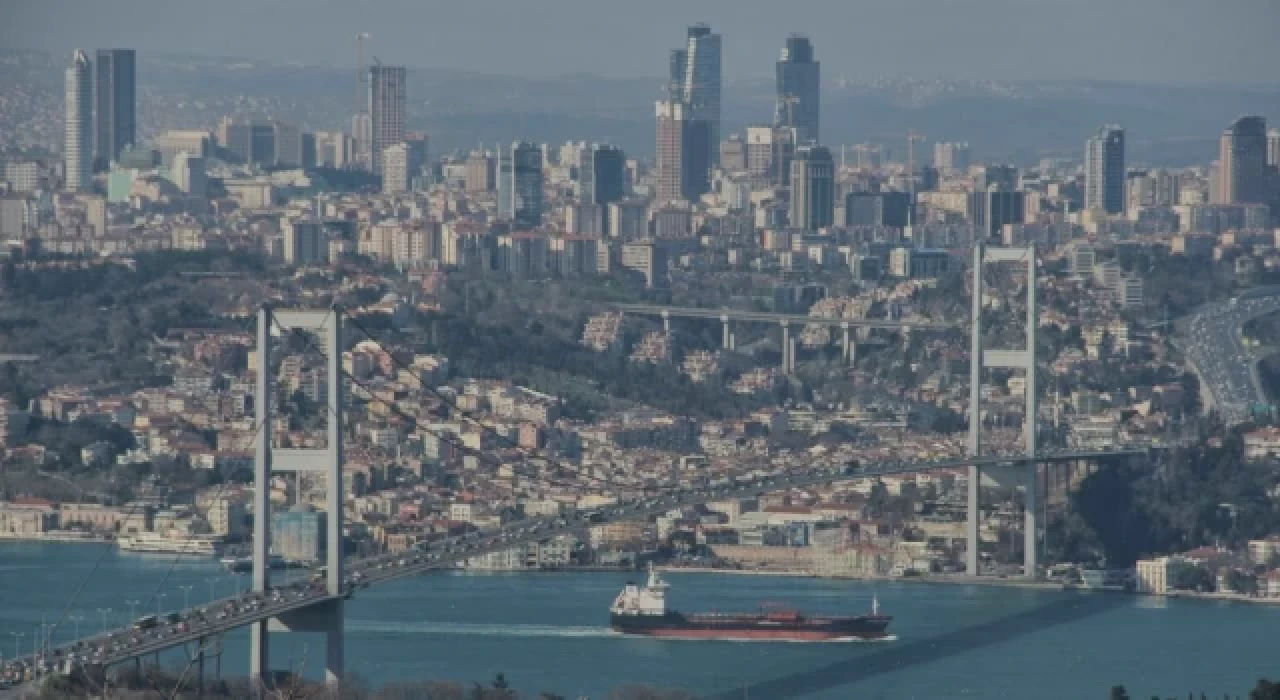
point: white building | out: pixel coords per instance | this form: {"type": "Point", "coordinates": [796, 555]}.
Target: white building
{"type": "Point", "coordinates": [78, 148]}
{"type": "Point", "coordinates": [189, 174]}
{"type": "Point", "coordinates": [1152, 575]}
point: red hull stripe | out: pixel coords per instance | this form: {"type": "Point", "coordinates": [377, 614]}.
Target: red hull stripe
{"type": "Point", "coordinates": [677, 633]}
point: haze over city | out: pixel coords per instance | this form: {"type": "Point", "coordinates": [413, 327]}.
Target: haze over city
{"type": "Point", "coordinates": [1171, 41]}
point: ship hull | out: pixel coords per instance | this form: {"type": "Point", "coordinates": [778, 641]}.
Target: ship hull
{"type": "Point", "coordinates": [674, 625]}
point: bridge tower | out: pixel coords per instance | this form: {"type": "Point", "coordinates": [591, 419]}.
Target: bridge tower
{"type": "Point", "coordinates": [1025, 359]}
{"type": "Point", "coordinates": [325, 617]}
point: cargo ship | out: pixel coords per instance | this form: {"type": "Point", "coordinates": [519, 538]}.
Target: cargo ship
{"type": "Point", "coordinates": [642, 610]}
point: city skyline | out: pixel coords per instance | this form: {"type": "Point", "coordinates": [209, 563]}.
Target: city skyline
{"type": "Point", "coordinates": [1144, 39]}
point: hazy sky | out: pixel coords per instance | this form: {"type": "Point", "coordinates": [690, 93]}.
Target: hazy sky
{"type": "Point", "coordinates": [1156, 40]}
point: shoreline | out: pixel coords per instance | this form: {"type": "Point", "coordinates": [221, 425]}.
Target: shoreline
{"type": "Point", "coordinates": [60, 537]}
{"type": "Point", "coordinates": [937, 579]}
{"type": "Point", "coordinates": [960, 579]}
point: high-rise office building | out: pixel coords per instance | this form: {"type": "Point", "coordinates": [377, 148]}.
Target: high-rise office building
{"type": "Point", "coordinates": [1242, 162]}
{"type": "Point", "coordinates": [386, 110]}
{"type": "Point", "coordinates": [813, 184]}
{"type": "Point", "coordinates": [695, 80]}
{"type": "Point", "coordinates": [520, 184]}
{"type": "Point", "coordinates": [479, 174]}
{"type": "Point", "coordinates": [888, 209]}
{"type": "Point", "coordinates": [1273, 147]}
{"type": "Point", "coordinates": [1104, 170]}
{"type": "Point", "coordinates": [992, 209]}
{"type": "Point", "coordinates": [682, 152]}
{"type": "Point", "coordinates": [115, 102]}
{"type": "Point", "coordinates": [603, 174]}
{"type": "Point", "coordinates": [799, 88]}
{"type": "Point", "coordinates": [769, 150]}
{"type": "Point", "coordinates": [267, 143]}
{"type": "Point", "coordinates": [78, 148]}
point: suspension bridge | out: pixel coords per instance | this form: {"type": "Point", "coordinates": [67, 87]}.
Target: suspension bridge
{"type": "Point", "coordinates": [317, 605]}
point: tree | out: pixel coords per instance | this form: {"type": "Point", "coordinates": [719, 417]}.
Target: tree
{"type": "Point", "coordinates": [1265, 690]}
{"type": "Point", "coordinates": [1185, 576]}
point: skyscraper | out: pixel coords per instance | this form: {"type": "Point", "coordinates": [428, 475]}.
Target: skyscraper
{"type": "Point", "coordinates": [604, 174]}
{"type": "Point", "coordinates": [799, 88]}
{"type": "Point", "coordinates": [1273, 147]}
{"type": "Point", "coordinates": [386, 110]}
{"type": "Point", "coordinates": [1104, 170]}
{"type": "Point", "coordinates": [1242, 162]}
{"type": "Point", "coordinates": [604, 178]}
{"type": "Point", "coordinates": [520, 184]}
{"type": "Point", "coordinates": [698, 68]}
{"type": "Point", "coordinates": [813, 184]}
{"type": "Point", "coordinates": [116, 104]}
{"type": "Point", "coordinates": [683, 152]}
{"type": "Point", "coordinates": [77, 150]}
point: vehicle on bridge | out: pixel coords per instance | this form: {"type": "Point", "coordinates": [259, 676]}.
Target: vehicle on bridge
{"type": "Point", "coordinates": [146, 623]}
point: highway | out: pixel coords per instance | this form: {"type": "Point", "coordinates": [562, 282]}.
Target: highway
{"type": "Point", "coordinates": [1215, 347]}
{"type": "Point", "coordinates": [777, 318]}
{"type": "Point", "coordinates": [203, 621]}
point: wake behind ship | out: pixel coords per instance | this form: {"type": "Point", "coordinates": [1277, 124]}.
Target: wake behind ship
{"type": "Point", "coordinates": [642, 610]}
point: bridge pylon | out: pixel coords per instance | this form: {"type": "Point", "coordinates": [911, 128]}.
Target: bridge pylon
{"type": "Point", "coordinates": [1024, 359]}
{"type": "Point", "coordinates": [326, 617]}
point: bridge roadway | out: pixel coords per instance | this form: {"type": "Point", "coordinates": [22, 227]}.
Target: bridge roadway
{"type": "Point", "coordinates": [778, 318]}
{"type": "Point", "coordinates": [202, 622]}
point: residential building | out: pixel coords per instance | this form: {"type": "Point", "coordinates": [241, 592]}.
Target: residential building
{"type": "Point", "coordinates": [299, 534]}
{"type": "Point", "coordinates": [769, 152]}
{"type": "Point", "coordinates": [1104, 170]}
{"type": "Point", "coordinates": [733, 154]}
{"type": "Point", "coordinates": [480, 173]}
{"type": "Point", "coordinates": [78, 146]}
{"type": "Point", "coordinates": [116, 104]}
{"type": "Point", "coordinates": [22, 176]}
{"type": "Point", "coordinates": [226, 516]}
{"type": "Point", "coordinates": [189, 175]}
{"type": "Point", "coordinates": [908, 263]}
{"type": "Point", "coordinates": [951, 156]}
{"type": "Point", "coordinates": [648, 259]}
{"type": "Point", "coordinates": [799, 89]}
{"type": "Point", "coordinates": [305, 242]}
{"type": "Point", "coordinates": [386, 110]}
{"type": "Point", "coordinates": [172, 142]}
{"type": "Point", "coordinates": [1129, 295]}
{"type": "Point", "coordinates": [401, 163]}
{"type": "Point", "coordinates": [812, 188]}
